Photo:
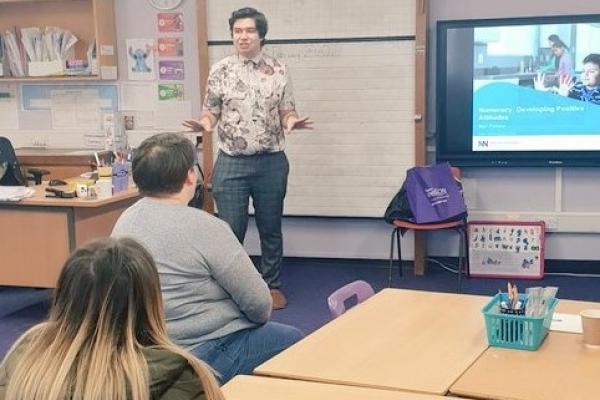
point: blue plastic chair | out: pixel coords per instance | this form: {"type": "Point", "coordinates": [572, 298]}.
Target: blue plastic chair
{"type": "Point", "coordinates": [337, 300]}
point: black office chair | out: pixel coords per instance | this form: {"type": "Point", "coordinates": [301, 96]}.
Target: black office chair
{"type": "Point", "coordinates": [10, 171]}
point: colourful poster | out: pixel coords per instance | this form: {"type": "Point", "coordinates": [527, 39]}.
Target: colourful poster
{"type": "Point", "coordinates": [170, 22]}
{"type": "Point", "coordinates": [170, 47]}
{"type": "Point", "coordinates": [170, 70]}
{"type": "Point", "coordinates": [170, 92]}
{"type": "Point", "coordinates": [140, 59]}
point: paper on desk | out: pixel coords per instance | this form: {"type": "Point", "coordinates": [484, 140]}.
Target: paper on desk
{"type": "Point", "coordinates": [15, 193]}
{"type": "Point", "coordinates": [570, 323]}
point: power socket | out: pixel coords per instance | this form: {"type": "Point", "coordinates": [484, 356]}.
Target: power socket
{"type": "Point", "coordinates": [552, 223]}
{"type": "Point", "coordinates": [38, 141]}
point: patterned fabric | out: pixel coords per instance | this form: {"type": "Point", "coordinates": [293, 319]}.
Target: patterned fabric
{"type": "Point", "coordinates": [264, 177]}
{"type": "Point", "coordinates": [246, 95]}
{"type": "Point", "coordinates": [583, 93]}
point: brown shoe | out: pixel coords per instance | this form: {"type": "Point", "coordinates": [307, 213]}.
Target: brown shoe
{"type": "Point", "coordinates": [279, 300]}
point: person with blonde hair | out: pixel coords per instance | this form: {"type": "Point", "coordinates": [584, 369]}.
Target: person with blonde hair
{"type": "Point", "coordinates": [105, 337]}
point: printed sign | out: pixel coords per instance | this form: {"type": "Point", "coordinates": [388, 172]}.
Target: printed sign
{"type": "Point", "coordinates": [170, 47]}
{"type": "Point", "coordinates": [171, 70]}
{"type": "Point", "coordinates": [170, 92]}
{"type": "Point", "coordinates": [170, 22]}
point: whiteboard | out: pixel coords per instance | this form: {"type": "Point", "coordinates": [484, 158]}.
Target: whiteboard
{"type": "Point", "coordinates": [307, 19]}
{"type": "Point", "coordinates": [360, 95]}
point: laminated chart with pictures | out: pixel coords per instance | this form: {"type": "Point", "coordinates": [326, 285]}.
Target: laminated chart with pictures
{"type": "Point", "coordinates": [506, 249]}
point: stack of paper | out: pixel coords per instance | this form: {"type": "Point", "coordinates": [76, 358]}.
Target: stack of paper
{"type": "Point", "coordinates": [15, 193]}
{"type": "Point", "coordinates": [570, 323]}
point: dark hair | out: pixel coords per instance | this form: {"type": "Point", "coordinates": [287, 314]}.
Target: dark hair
{"type": "Point", "coordinates": [259, 20]}
{"type": "Point", "coordinates": [161, 163]}
{"type": "Point", "coordinates": [109, 282]}
{"type": "Point", "coordinates": [592, 58]}
{"type": "Point", "coordinates": [557, 42]}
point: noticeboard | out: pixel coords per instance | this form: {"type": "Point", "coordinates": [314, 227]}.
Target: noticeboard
{"type": "Point", "coordinates": [513, 249]}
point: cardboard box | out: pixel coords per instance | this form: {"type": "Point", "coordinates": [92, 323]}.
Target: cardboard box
{"type": "Point", "coordinates": [45, 68]}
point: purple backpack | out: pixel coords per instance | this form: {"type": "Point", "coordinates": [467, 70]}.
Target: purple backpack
{"type": "Point", "coordinates": [434, 195]}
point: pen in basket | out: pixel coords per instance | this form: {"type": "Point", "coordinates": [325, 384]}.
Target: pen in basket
{"type": "Point", "coordinates": [513, 296]}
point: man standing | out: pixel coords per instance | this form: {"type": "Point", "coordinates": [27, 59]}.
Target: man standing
{"type": "Point", "coordinates": [250, 95]}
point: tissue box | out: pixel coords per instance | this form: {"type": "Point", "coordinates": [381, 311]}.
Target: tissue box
{"type": "Point", "coordinates": [45, 68]}
{"type": "Point", "coordinates": [120, 177]}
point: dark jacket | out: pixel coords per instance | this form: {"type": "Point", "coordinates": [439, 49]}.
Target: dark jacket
{"type": "Point", "coordinates": [171, 377]}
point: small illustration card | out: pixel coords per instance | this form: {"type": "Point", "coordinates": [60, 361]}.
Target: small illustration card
{"type": "Point", "coordinates": [170, 70]}
{"type": "Point", "coordinates": [170, 92]}
{"type": "Point", "coordinates": [170, 22]}
{"type": "Point", "coordinates": [170, 47]}
{"type": "Point", "coordinates": [140, 59]}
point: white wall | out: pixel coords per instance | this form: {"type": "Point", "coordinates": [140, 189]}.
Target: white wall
{"type": "Point", "coordinates": [493, 189]}
{"type": "Point", "coordinates": [564, 198]}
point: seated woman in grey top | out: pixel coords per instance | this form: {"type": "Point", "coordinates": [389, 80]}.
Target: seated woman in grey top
{"type": "Point", "coordinates": [216, 303]}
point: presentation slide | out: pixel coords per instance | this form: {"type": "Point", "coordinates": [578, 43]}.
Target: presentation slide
{"type": "Point", "coordinates": [536, 90]}
{"type": "Point", "coordinates": [511, 117]}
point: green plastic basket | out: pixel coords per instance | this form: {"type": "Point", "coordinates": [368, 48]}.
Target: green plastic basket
{"type": "Point", "coordinates": [515, 331]}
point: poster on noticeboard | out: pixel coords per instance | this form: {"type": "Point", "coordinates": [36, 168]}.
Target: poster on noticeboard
{"type": "Point", "coordinates": [513, 249]}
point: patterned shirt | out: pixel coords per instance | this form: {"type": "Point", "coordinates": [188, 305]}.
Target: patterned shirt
{"type": "Point", "coordinates": [583, 93]}
{"type": "Point", "coordinates": [246, 96]}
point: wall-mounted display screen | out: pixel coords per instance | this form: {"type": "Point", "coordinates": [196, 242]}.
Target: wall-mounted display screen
{"type": "Point", "coordinates": [519, 92]}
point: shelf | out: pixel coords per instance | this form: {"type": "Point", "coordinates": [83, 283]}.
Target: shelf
{"type": "Point", "coordinates": [53, 79]}
{"type": "Point", "coordinates": [37, 1]}
{"type": "Point", "coordinates": [89, 20]}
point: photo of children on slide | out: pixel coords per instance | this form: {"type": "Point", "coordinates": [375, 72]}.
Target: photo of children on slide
{"type": "Point", "coordinates": [536, 87]}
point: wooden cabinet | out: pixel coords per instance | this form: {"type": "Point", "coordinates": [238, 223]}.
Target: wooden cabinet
{"type": "Point", "coordinates": [43, 231]}
{"type": "Point", "coordinates": [88, 20]}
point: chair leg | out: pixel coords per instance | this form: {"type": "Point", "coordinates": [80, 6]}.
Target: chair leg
{"type": "Point", "coordinates": [460, 258]}
{"type": "Point", "coordinates": [463, 256]}
{"type": "Point", "coordinates": [466, 251]}
{"type": "Point", "coordinates": [391, 262]}
{"type": "Point", "coordinates": [398, 233]}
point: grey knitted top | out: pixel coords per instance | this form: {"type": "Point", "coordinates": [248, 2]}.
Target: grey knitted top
{"type": "Point", "coordinates": [210, 286]}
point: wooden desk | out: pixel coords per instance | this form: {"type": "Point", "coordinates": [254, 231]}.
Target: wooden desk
{"type": "Point", "coordinates": [244, 387]}
{"type": "Point", "coordinates": [398, 339]}
{"type": "Point", "coordinates": [562, 368]}
{"type": "Point", "coordinates": [62, 163]}
{"type": "Point", "coordinates": [39, 233]}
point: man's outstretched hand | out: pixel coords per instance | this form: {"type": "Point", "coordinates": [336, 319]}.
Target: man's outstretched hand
{"type": "Point", "coordinates": [202, 125]}
{"type": "Point", "coordinates": [294, 122]}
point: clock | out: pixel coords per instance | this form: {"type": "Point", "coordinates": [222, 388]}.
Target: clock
{"type": "Point", "coordinates": [165, 4]}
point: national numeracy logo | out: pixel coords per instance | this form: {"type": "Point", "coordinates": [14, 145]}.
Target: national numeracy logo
{"type": "Point", "coordinates": [437, 195]}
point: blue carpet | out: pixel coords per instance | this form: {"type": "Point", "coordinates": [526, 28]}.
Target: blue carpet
{"type": "Point", "coordinates": [14, 299]}
{"type": "Point", "coordinates": [307, 283]}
